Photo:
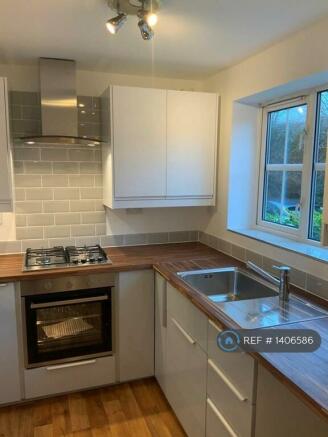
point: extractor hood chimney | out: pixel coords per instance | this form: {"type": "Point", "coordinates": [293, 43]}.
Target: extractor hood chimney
{"type": "Point", "coordinates": [59, 104]}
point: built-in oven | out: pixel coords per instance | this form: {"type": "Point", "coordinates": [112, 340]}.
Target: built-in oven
{"type": "Point", "coordinates": [67, 319]}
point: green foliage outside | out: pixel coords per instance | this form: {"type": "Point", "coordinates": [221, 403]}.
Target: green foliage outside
{"type": "Point", "coordinates": [292, 219]}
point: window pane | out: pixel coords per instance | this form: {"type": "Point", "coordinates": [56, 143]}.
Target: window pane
{"type": "Point", "coordinates": [322, 128]}
{"type": "Point", "coordinates": [282, 196]}
{"type": "Point", "coordinates": [276, 136]}
{"type": "Point", "coordinates": [285, 140]}
{"type": "Point", "coordinates": [296, 134]}
{"type": "Point", "coordinates": [317, 205]}
{"type": "Point", "coordinates": [318, 176]}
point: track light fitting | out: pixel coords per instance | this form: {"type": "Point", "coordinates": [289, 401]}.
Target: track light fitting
{"type": "Point", "coordinates": [146, 31]}
{"type": "Point", "coordinates": [114, 24]}
{"type": "Point", "coordinates": [145, 11]}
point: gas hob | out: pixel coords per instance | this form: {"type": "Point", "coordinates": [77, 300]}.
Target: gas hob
{"type": "Point", "coordinates": [60, 257]}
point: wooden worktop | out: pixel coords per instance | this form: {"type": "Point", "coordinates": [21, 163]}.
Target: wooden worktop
{"type": "Point", "coordinates": [305, 374]}
{"type": "Point", "coordinates": [123, 259]}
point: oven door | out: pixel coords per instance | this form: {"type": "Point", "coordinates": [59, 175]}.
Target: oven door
{"type": "Point", "coordinates": [65, 326]}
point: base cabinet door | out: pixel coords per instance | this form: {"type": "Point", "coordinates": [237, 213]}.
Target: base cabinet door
{"type": "Point", "coordinates": [135, 324]}
{"type": "Point", "coordinates": [10, 390]}
{"type": "Point", "coordinates": [186, 378]}
{"type": "Point", "coordinates": [160, 330]}
{"type": "Point", "coordinates": [281, 414]}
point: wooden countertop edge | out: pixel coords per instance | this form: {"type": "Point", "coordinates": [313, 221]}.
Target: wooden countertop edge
{"type": "Point", "coordinates": [226, 323]}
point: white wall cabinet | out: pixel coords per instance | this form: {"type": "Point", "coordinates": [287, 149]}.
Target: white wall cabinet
{"type": "Point", "coordinates": [139, 132]}
{"type": "Point", "coordinates": [191, 143]}
{"type": "Point", "coordinates": [10, 390]}
{"type": "Point", "coordinates": [135, 324]}
{"type": "Point", "coordinates": [161, 149]}
{"type": "Point", "coordinates": [6, 198]}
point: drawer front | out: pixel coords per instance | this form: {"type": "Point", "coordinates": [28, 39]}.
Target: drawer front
{"type": "Point", "coordinates": [188, 316]}
{"type": "Point", "coordinates": [233, 405]}
{"type": "Point", "coordinates": [216, 424]}
{"type": "Point", "coordinates": [67, 377]}
{"type": "Point", "coordinates": [239, 367]}
{"type": "Point", "coordinates": [186, 379]}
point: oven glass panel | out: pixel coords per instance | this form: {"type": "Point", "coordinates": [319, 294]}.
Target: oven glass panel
{"type": "Point", "coordinates": [63, 325]}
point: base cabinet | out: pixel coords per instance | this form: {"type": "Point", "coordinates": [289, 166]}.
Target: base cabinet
{"type": "Point", "coordinates": [135, 324]}
{"type": "Point", "coordinates": [10, 390]}
{"type": "Point", "coordinates": [63, 378]}
{"type": "Point", "coordinates": [160, 330]}
{"type": "Point", "coordinates": [186, 378]}
{"type": "Point", "coordinates": [186, 363]}
{"type": "Point", "coordinates": [281, 414]}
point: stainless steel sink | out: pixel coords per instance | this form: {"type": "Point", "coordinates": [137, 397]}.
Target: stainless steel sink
{"type": "Point", "coordinates": [248, 300]}
{"type": "Point", "coordinates": [227, 284]}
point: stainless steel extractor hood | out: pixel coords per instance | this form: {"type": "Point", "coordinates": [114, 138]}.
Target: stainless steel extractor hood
{"type": "Point", "coordinates": [59, 114]}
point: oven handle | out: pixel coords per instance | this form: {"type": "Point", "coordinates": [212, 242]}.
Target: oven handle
{"type": "Point", "coordinates": [77, 363]}
{"type": "Point", "coordinates": [35, 306]}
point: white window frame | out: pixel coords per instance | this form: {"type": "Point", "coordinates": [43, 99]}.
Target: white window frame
{"type": "Point", "coordinates": [300, 234]}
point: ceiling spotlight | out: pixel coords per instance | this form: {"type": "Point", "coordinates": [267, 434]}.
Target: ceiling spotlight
{"type": "Point", "coordinates": [114, 24]}
{"type": "Point", "coordinates": [151, 19]}
{"type": "Point", "coordinates": [147, 32]}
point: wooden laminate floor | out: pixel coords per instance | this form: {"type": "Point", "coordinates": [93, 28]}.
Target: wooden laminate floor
{"type": "Point", "coordinates": [137, 409]}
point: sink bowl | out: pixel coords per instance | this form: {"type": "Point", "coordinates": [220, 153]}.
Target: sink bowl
{"type": "Point", "coordinates": [248, 300]}
{"type": "Point", "coordinates": [227, 284]}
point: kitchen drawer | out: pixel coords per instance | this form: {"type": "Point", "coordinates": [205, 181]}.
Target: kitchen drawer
{"type": "Point", "coordinates": [236, 408]}
{"type": "Point", "coordinates": [216, 424]}
{"type": "Point", "coordinates": [238, 367]}
{"type": "Point", "coordinates": [188, 316]}
{"type": "Point", "coordinates": [61, 378]}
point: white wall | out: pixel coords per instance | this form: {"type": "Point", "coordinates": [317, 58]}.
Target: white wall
{"type": "Point", "coordinates": [91, 83]}
{"type": "Point", "coordinates": [300, 59]}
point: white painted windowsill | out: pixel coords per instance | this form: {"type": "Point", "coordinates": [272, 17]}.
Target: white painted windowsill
{"type": "Point", "coordinates": [316, 252]}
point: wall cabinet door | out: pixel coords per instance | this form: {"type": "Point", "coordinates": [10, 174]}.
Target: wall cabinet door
{"type": "Point", "coordinates": [134, 302]}
{"type": "Point", "coordinates": [10, 390]}
{"type": "Point", "coordinates": [160, 330]}
{"type": "Point", "coordinates": [139, 137]}
{"type": "Point", "coordinates": [5, 152]}
{"type": "Point", "coordinates": [191, 143]}
{"type": "Point", "coordinates": [186, 367]}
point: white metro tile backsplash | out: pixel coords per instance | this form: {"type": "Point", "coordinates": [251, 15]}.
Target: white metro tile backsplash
{"type": "Point", "coordinates": [58, 193]}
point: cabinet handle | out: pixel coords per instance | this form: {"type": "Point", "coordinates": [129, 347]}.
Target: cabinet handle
{"type": "Point", "coordinates": [183, 332]}
{"type": "Point", "coordinates": [164, 306]}
{"type": "Point", "coordinates": [35, 306]}
{"type": "Point", "coordinates": [77, 363]}
{"type": "Point", "coordinates": [221, 418]}
{"type": "Point", "coordinates": [214, 326]}
{"type": "Point", "coordinates": [227, 381]}
{"type": "Point", "coordinates": [3, 285]}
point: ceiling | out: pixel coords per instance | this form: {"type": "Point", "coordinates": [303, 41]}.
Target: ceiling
{"type": "Point", "coordinates": [193, 38]}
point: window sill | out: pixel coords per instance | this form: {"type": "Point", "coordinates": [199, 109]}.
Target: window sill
{"type": "Point", "coordinates": [315, 252]}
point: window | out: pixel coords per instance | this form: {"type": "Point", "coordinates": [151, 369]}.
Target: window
{"type": "Point", "coordinates": [293, 166]}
